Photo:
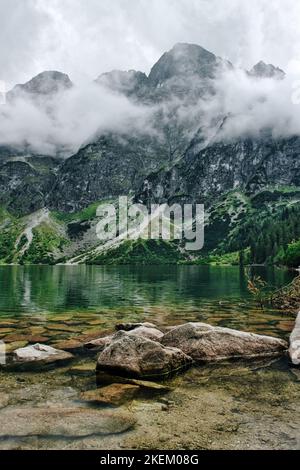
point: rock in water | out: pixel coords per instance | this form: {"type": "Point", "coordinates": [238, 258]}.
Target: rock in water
{"type": "Point", "coordinates": [294, 350]}
{"type": "Point", "coordinates": [67, 422]}
{"type": "Point", "coordinates": [205, 343]}
{"type": "Point", "coordinates": [114, 394]}
{"type": "Point", "coordinates": [39, 353]}
{"type": "Point", "coordinates": [140, 357]}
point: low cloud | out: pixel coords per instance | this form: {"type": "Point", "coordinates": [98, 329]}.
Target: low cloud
{"type": "Point", "coordinates": [62, 124]}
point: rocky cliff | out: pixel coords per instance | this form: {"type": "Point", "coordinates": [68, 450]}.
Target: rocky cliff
{"type": "Point", "coordinates": [169, 158]}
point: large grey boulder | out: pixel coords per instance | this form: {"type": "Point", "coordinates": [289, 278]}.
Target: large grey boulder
{"type": "Point", "coordinates": [294, 350]}
{"type": "Point", "coordinates": [135, 356]}
{"type": "Point", "coordinates": [205, 343]}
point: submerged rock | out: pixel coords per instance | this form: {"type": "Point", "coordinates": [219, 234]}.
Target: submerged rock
{"type": "Point", "coordinates": [67, 422]}
{"type": "Point", "coordinates": [104, 378]}
{"type": "Point", "coordinates": [114, 394]}
{"type": "Point", "coordinates": [40, 353]}
{"type": "Point", "coordinates": [294, 350]}
{"type": "Point", "coordinates": [205, 343]}
{"type": "Point", "coordinates": [140, 357]}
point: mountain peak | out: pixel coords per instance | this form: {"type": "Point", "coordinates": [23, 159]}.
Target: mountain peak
{"type": "Point", "coordinates": [263, 70]}
{"type": "Point", "coordinates": [45, 83]}
{"type": "Point", "coordinates": [185, 60]}
{"type": "Point", "coordinates": [125, 82]}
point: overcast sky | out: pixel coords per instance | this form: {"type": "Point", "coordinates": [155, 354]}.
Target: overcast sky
{"type": "Point", "coordinates": [86, 38]}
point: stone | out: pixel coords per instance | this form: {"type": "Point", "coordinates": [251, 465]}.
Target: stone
{"type": "Point", "coordinates": [152, 386]}
{"type": "Point", "coordinates": [104, 378]}
{"type": "Point", "coordinates": [67, 345]}
{"type": "Point", "coordinates": [294, 350]}
{"type": "Point", "coordinates": [114, 394]}
{"type": "Point", "coordinates": [40, 353]}
{"type": "Point", "coordinates": [68, 422]}
{"type": "Point", "coordinates": [205, 343]}
{"type": "Point", "coordinates": [139, 357]}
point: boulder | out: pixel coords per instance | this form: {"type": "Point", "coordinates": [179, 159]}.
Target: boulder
{"type": "Point", "coordinates": [294, 350]}
{"type": "Point", "coordinates": [205, 343]}
{"type": "Point", "coordinates": [139, 357]}
{"type": "Point", "coordinates": [114, 394]}
{"type": "Point", "coordinates": [40, 353]}
{"type": "Point", "coordinates": [144, 331]}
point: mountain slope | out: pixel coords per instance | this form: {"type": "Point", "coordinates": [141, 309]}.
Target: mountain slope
{"type": "Point", "coordinates": [166, 155]}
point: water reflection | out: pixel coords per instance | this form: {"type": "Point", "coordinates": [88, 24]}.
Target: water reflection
{"type": "Point", "coordinates": [62, 288]}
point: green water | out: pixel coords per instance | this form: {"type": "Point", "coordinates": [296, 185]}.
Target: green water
{"type": "Point", "coordinates": [33, 289]}
{"type": "Point", "coordinates": [44, 302]}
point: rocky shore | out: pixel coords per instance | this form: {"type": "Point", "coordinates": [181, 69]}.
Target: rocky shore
{"type": "Point", "coordinates": [146, 386]}
{"type": "Point", "coordinates": [143, 351]}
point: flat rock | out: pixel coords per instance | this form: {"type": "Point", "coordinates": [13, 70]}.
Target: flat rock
{"type": "Point", "coordinates": [39, 353]}
{"type": "Point", "coordinates": [114, 394]}
{"type": "Point", "coordinates": [67, 345]}
{"type": "Point", "coordinates": [294, 350]}
{"type": "Point", "coordinates": [205, 343]}
{"type": "Point", "coordinates": [139, 357]}
{"type": "Point", "coordinates": [67, 422]}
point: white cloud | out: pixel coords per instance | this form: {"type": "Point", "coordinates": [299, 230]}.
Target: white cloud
{"type": "Point", "coordinates": [85, 39]}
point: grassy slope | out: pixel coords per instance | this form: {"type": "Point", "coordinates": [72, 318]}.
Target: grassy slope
{"type": "Point", "coordinates": [230, 221]}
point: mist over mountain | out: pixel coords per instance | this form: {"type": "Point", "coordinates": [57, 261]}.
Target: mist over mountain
{"type": "Point", "coordinates": [50, 115]}
{"type": "Point", "coordinates": [195, 129]}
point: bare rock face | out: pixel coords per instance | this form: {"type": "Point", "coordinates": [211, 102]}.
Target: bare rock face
{"type": "Point", "coordinates": [40, 353]}
{"type": "Point", "coordinates": [145, 330]}
{"type": "Point", "coordinates": [294, 350]}
{"type": "Point", "coordinates": [140, 357]}
{"type": "Point", "coordinates": [205, 343]}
